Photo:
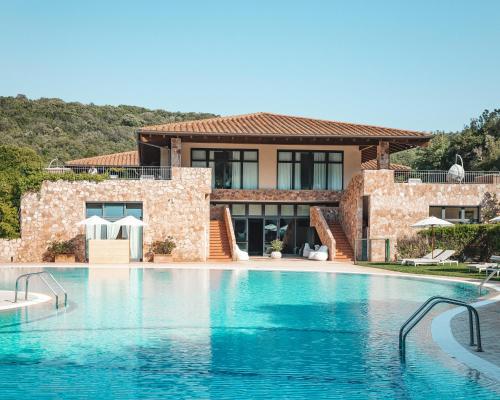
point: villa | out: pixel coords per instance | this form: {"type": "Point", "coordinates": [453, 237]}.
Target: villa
{"type": "Point", "coordinates": [224, 183]}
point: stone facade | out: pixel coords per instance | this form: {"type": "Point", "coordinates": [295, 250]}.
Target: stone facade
{"type": "Point", "coordinates": [275, 195]}
{"type": "Point", "coordinates": [179, 207]}
{"type": "Point", "coordinates": [320, 223]}
{"type": "Point", "coordinates": [9, 249]}
{"type": "Point", "coordinates": [351, 209]}
{"type": "Point", "coordinates": [394, 207]}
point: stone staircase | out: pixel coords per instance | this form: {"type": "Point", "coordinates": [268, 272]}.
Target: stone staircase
{"type": "Point", "coordinates": [344, 251]}
{"type": "Point", "coordinates": [219, 243]}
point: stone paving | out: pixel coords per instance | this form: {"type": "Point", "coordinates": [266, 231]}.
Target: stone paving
{"type": "Point", "coordinates": [489, 316]}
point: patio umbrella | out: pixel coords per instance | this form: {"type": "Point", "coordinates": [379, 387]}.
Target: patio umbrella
{"type": "Point", "coordinates": [495, 220]}
{"type": "Point", "coordinates": [431, 222]}
{"type": "Point", "coordinates": [94, 221]}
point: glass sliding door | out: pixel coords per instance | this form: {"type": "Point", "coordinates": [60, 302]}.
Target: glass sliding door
{"type": "Point", "coordinates": [305, 170]}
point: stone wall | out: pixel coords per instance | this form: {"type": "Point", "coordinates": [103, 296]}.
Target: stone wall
{"type": "Point", "coordinates": [9, 249]}
{"type": "Point", "coordinates": [319, 222]}
{"type": "Point", "coordinates": [276, 195]}
{"type": "Point", "coordinates": [394, 207]}
{"type": "Point", "coordinates": [179, 207]}
{"type": "Point", "coordinates": [351, 209]}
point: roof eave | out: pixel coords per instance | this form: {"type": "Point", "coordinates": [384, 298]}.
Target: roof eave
{"type": "Point", "coordinates": [279, 135]}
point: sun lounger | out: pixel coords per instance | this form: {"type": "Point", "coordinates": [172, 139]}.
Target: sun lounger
{"type": "Point", "coordinates": [443, 258]}
{"type": "Point", "coordinates": [429, 256]}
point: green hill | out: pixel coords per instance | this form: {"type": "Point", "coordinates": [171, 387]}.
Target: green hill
{"type": "Point", "coordinates": [57, 129]}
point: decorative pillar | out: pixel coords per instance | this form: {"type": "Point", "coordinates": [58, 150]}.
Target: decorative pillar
{"type": "Point", "coordinates": [175, 152]}
{"type": "Point", "coordinates": [164, 157]}
{"type": "Point", "coordinates": [383, 155]}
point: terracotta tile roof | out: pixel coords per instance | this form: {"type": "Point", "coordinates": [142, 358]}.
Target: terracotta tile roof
{"type": "Point", "coordinates": [121, 159]}
{"type": "Point", "coordinates": [372, 164]}
{"type": "Point", "coordinates": [264, 124]}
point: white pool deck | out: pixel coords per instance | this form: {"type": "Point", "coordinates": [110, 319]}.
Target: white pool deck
{"type": "Point", "coordinates": [487, 362]}
{"type": "Point", "coordinates": [7, 300]}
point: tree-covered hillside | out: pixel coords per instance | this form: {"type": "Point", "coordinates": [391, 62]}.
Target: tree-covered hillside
{"type": "Point", "coordinates": [57, 129]}
{"type": "Point", "coordinates": [478, 144]}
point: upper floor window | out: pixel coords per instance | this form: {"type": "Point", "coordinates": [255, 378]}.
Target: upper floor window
{"type": "Point", "coordinates": [318, 170]}
{"type": "Point", "coordinates": [231, 169]}
{"type": "Point", "coordinates": [456, 214]}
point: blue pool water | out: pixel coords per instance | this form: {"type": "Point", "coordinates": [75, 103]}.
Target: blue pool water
{"type": "Point", "coordinates": [178, 334]}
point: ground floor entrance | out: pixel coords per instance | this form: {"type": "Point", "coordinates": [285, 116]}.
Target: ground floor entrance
{"type": "Point", "coordinates": [257, 225]}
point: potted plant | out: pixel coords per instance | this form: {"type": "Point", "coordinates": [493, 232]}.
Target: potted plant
{"type": "Point", "coordinates": [63, 251]}
{"type": "Point", "coordinates": [276, 246]}
{"type": "Point", "coordinates": [162, 250]}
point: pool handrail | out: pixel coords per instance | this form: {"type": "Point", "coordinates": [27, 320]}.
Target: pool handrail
{"type": "Point", "coordinates": [42, 278]}
{"type": "Point", "coordinates": [425, 308]}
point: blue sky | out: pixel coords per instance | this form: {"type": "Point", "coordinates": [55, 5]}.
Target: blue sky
{"type": "Point", "coordinates": [427, 65]}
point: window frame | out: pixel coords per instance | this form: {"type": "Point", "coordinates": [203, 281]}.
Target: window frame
{"type": "Point", "coordinates": [462, 219]}
{"type": "Point", "coordinates": [241, 160]}
{"type": "Point", "coordinates": [326, 162]}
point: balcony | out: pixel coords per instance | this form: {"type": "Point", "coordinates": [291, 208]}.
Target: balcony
{"type": "Point", "coordinates": [120, 173]}
{"type": "Point", "coordinates": [469, 177]}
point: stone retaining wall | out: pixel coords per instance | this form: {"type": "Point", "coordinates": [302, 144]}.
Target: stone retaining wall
{"type": "Point", "coordinates": [177, 207]}
{"type": "Point", "coordinates": [9, 249]}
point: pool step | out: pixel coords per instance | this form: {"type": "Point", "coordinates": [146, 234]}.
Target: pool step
{"type": "Point", "coordinates": [219, 242]}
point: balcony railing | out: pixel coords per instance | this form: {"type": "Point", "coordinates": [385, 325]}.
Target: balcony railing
{"type": "Point", "coordinates": [127, 173]}
{"type": "Point", "coordinates": [475, 177]}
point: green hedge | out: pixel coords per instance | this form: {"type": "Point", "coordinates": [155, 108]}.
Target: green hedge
{"type": "Point", "coordinates": [468, 240]}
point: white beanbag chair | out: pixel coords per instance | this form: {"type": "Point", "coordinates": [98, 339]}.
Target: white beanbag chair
{"type": "Point", "coordinates": [306, 251]}
{"type": "Point", "coordinates": [320, 255]}
{"type": "Point", "coordinates": [241, 255]}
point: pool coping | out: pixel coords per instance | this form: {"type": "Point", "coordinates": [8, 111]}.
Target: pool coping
{"type": "Point", "coordinates": [442, 334]}
{"type": "Point", "coordinates": [6, 296]}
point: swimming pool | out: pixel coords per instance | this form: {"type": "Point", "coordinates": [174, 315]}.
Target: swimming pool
{"type": "Point", "coordinates": [149, 333]}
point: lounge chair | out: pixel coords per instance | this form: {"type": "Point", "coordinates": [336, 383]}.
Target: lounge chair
{"type": "Point", "coordinates": [319, 255]}
{"type": "Point", "coordinates": [443, 258]}
{"type": "Point", "coordinates": [429, 256]}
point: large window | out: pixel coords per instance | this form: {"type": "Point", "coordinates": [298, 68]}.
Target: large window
{"type": "Point", "coordinates": [456, 214]}
{"type": "Point", "coordinates": [231, 169]}
{"type": "Point", "coordinates": [318, 170]}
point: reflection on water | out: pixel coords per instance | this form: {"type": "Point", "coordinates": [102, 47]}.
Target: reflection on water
{"type": "Point", "coordinates": [149, 333]}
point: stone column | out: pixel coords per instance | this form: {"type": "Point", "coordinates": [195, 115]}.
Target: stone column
{"type": "Point", "coordinates": [383, 155]}
{"type": "Point", "coordinates": [164, 156]}
{"type": "Point", "coordinates": [175, 152]}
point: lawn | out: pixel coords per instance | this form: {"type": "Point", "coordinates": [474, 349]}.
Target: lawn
{"type": "Point", "coordinates": [460, 270]}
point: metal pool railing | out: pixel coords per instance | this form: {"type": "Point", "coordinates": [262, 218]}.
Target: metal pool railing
{"type": "Point", "coordinates": [421, 176]}
{"type": "Point", "coordinates": [124, 172]}
{"type": "Point", "coordinates": [425, 308]}
{"type": "Point", "coordinates": [47, 284]}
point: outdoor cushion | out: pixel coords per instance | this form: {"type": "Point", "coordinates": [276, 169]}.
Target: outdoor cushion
{"type": "Point", "coordinates": [306, 251]}
{"type": "Point", "coordinates": [320, 255]}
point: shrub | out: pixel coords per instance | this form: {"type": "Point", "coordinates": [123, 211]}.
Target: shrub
{"type": "Point", "coordinates": [412, 246]}
{"type": "Point", "coordinates": [61, 247]}
{"type": "Point", "coordinates": [164, 246]}
{"type": "Point", "coordinates": [277, 245]}
{"type": "Point", "coordinates": [470, 241]}
{"type": "Point", "coordinates": [490, 206]}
